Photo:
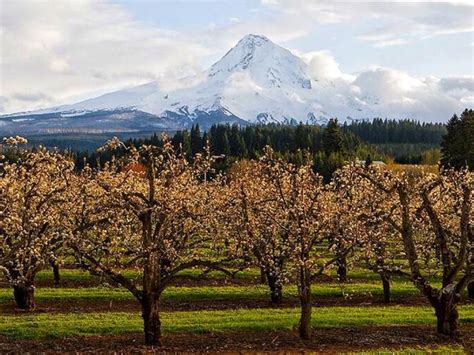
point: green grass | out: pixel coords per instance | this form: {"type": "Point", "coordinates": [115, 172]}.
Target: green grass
{"type": "Point", "coordinates": [81, 276]}
{"type": "Point", "coordinates": [66, 325]}
{"type": "Point", "coordinates": [400, 289]}
{"type": "Point", "coordinates": [418, 350]}
{"type": "Point", "coordinates": [76, 275]}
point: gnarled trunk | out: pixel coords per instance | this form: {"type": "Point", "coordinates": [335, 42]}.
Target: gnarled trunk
{"type": "Point", "coordinates": [447, 320]}
{"type": "Point", "coordinates": [386, 287]}
{"type": "Point", "coordinates": [305, 301]}
{"type": "Point", "coordinates": [276, 294]}
{"type": "Point", "coordinates": [56, 275]}
{"type": "Point", "coordinates": [447, 313]}
{"type": "Point", "coordinates": [24, 296]}
{"type": "Point", "coordinates": [470, 289]}
{"type": "Point", "coordinates": [151, 320]}
{"type": "Point", "coordinates": [341, 263]}
{"type": "Point", "coordinates": [263, 276]}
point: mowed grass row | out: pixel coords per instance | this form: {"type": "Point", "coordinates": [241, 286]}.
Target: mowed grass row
{"type": "Point", "coordinates": [363, 286]}
{"type": "Point", "coordinates": [77, 275]}
{"type": "Point", "coordinates": [71, 324]}
{"type": "Point", "coordinates": [184, 293]}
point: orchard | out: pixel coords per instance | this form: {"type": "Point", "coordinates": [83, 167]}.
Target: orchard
{"type": "Point", "coordinates": [156, 226]}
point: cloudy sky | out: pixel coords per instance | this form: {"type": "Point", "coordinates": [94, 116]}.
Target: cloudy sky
{"type": "Point", "coordinates": [59, 51]}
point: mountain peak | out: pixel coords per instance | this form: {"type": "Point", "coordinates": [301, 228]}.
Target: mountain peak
{"type": "Point", "coordinates": [250, 49]}
{"type": "Point", "coordinates": [253, 39]}
{"type": "Point", "coordinates": [265, 63]}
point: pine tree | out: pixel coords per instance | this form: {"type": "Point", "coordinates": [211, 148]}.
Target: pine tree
{"type": "Point", "coordinates": [332, 137]}
{"type": "Point", "coordinates": [225, 145]}
{"type": "Point", "coordinates": [237, 144]}
{"type": "Point", "coordinates": [457, 146]}
{"type": "Point", "coordinates": [302, 139]}
{"type": "Point", "coordinates": [196, 140]}
{"type": "Point", "coordinates": [368, 160]}
{"type": "Point", "coordinates": [205, 139]}
{"type": "Point", "coordinates": [186, 147]}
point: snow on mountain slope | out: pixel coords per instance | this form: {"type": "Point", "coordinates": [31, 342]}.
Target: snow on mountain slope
{"type": "Point", "coordinates": [255, 79]}
{"type": "Point", "coordinates": [122, 99]}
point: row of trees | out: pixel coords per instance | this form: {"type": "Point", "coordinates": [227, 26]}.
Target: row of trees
{"type": "Point", "coordinates": [385, 131]}
{"type": "Point", "coordinates": [249, 141]}
{"type": "Point", "coordinates": [159, 212]}
{"type": "Point", "coordinates": [328, 147]}
{"type": "Point", "coordinates": [407, 141]}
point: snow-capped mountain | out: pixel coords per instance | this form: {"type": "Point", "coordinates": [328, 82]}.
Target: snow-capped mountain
{"type": "Point", "coordinates": [256, 81]}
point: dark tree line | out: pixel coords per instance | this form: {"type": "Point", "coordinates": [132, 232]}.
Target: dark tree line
{"type": "Point", "coordinates": [407, 141]}
{"type": "Point", "coordinates": [329, 146]}
{"type": "Point", "coordinates": [385, 131]}
{"type": "Point", "coordinates": [248, 142]}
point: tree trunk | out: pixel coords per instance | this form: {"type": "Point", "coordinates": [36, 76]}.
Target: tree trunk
{"type": "Point", "coordinates": [24, 296]}
{"type": "Point", "coordinates": [305, 300]}
{"type": "Point", "coordinates": [386, 287]}
{"type": "Point", "coordinates": [447, 321]}
{"type": "Point", "coordinates": [276, 294]}
{"type": "Point", "coordinates": [447, 314]}
{"type": "Point", "coordinates": [56, 275]}
{"type": "Point", "coordinates": [263, 276]}
{"type": "Point", "coordinates": [470, 289]}
{"type": "Point", "coordinates": [151, 319]}
{"type": "Point", "coordinates": [341, 263]}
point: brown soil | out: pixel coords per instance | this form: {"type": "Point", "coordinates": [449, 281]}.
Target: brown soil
{"type": "Point", "coordinates": [85, 306]}
{"type": "Point", "coordinates": [179, 281]}
{"type": "Point", "coordinates": [186, 280]}
{"type": "Point", "coordinates": [323, 341]}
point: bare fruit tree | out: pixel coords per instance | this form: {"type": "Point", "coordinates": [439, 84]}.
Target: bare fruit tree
{"type": "Point", "coordinates": [378, 246]}
{"type": "Point", "coordinates": [307, 214]}
{"type": "Point", "coordinates": [252, 231]}
{"type": "Point", "coordinates": [32, 195]}
{"type": "Point", "coordinates": [158, 211]}
{"type": "Point", "coordinates": [432, 215]}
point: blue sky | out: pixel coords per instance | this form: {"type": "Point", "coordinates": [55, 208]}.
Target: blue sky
{"type": "Point", "coordinates": [181, 15]}
{"type": "Point", "coordinates": [438, 55]}
{"type": "Point", "coordinates": [56, 52]}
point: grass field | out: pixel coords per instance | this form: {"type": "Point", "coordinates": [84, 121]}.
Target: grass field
{"type": "Point", "coordinates": [64, 325]}
{"type": "Point", "coordinates": [354, 306]}
{"type": "Point", "coordinates": [185, 293]}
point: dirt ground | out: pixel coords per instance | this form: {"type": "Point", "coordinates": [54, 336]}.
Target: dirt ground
{"type": "Point", "coordinates": [180, 280]}
{"type": "Point", "coordinates": [88, 306]}
{"type": "Point", "coordinates": [323, 341]}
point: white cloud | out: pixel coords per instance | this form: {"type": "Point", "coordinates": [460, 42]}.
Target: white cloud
{"type": "Point", "coordinates": [387, 83]}
{"type": "Point", "coordinates": [59, 51]}
{"type": "Point", "coordinates": [323, 65]}
{"type": "Point", "coordinates": [59, 65]}
{"type": "Point", "coordinates": [456, 83]}
{"type": "Point", "coordinates": [386, 92]}
{"type": "Point", "coordinates": [399, 95]}
{"type": "Point", "coordinates": [398, 21]}
{"type": "Point", "coordinates": [391, 42]}
{"type": "Point", "coordinates": [404, 22]}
